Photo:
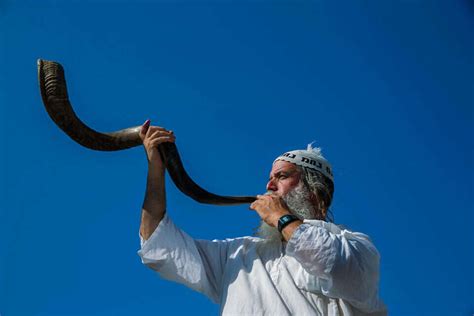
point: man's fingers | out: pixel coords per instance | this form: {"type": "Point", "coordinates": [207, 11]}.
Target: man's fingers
{"type": "Point", "coordinates": [161, 135]}
{"type": "Point", "coordinates": [155, 142]}
{"type": "Point", "coordinates": [161, 132]}
{"type": "Point", "coordinates": [144, 129]}
{"type": "Point", "coordinates": [264, 197]}
{"type": "Point", "coordinates": [254, 205]}
{"type": "Point", "coordinates": [152, 129]}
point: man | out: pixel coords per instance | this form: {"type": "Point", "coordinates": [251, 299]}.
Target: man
{"type": "Point", "coordinates": [298, 265]}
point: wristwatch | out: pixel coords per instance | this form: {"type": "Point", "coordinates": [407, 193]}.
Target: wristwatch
{"type": "Point", "coordinates": [285, 220]}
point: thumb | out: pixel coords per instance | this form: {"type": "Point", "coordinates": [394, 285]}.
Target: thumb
{"type": "Point", "coordinates": [144, 129]}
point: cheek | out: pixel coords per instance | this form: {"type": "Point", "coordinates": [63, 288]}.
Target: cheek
{"type": "Point", "coordinates": [287, 186]}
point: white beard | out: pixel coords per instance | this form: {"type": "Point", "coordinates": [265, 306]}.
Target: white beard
{"type": "Point", "coordinates": [298, 203]}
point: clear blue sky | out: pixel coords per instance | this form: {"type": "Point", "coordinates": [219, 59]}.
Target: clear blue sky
{"type": "Point", "coordinates": [384, 87]}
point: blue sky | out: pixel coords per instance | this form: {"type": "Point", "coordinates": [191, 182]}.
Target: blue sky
{"type": "Point", "coordinates": [384, 87]}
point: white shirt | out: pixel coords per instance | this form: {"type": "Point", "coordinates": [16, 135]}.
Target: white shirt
{"type": "Point", "coordinates": [322, 270]}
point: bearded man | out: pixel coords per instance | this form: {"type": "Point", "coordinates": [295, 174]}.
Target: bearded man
{"type": "Point", "coordinates": [299, 264]}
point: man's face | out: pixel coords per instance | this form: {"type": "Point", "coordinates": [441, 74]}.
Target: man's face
{"type": "Point", "coordinates": [284, 177]}
{"type": "Point", "coordinates": [285, 182]}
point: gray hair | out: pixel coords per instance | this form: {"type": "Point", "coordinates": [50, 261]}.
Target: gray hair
{"type": "Point", "coordinates": [321, 190]}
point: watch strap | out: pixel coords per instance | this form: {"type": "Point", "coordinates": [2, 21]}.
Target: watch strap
{"type": "Point", "coordinates": [285, 220]}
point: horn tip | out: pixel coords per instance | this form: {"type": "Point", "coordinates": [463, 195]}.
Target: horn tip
{"type": "Point", "coordinates": [41, 62]}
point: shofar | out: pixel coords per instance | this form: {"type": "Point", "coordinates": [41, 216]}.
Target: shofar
{"type": "Point", "coordinates": [55, 98]}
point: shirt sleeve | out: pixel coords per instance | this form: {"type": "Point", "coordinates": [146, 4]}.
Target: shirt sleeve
{"type": "Point", "coordinates": [346, 263]}
{"type": "Point", "coordinates": [176, 256]}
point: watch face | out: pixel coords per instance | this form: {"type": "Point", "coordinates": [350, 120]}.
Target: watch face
{"type": "Point", "coordinates": [285, 220]}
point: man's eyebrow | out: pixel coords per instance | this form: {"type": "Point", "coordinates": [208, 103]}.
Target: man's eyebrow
{"type": "Point", "coordinates": [279, 172]}
{"type": "Point", "coordinates": [276, 174]}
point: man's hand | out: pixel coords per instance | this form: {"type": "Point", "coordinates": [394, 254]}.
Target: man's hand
{"type": "Point", "coordinates": [270, 208]}
{"type": "Point", "coordinates": [152, 136]}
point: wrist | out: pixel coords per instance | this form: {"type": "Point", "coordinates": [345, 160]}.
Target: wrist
{"type": "Point", "coordinates": [277, 217]}
{"type": "Point", "coordinates": [289, 230]}
{"type": "Point", "coordinates": [286, 220]}
{"type": "Point", "coordinates": [153, 157]}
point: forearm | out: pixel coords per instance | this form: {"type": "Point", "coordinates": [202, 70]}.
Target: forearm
{"type": "Point", "coordinates": [154, 204]}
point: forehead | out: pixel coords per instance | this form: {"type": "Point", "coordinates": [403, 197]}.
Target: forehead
{"type": "Point", "coordinates": [281, 165]}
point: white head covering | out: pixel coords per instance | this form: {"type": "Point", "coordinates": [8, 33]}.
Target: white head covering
{"type": "Point", "coordinates": [309, 158]}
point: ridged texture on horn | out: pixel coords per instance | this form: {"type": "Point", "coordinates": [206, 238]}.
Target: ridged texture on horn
{"type": "Point", "coordinates": [55, 98]}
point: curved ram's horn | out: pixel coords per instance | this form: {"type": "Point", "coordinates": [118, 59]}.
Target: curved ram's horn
{"type": "Point", "coordinates": [55, 98]}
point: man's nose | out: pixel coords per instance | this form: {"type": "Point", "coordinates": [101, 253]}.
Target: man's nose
{"type": "Point", "coordinates": [271, 186]}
